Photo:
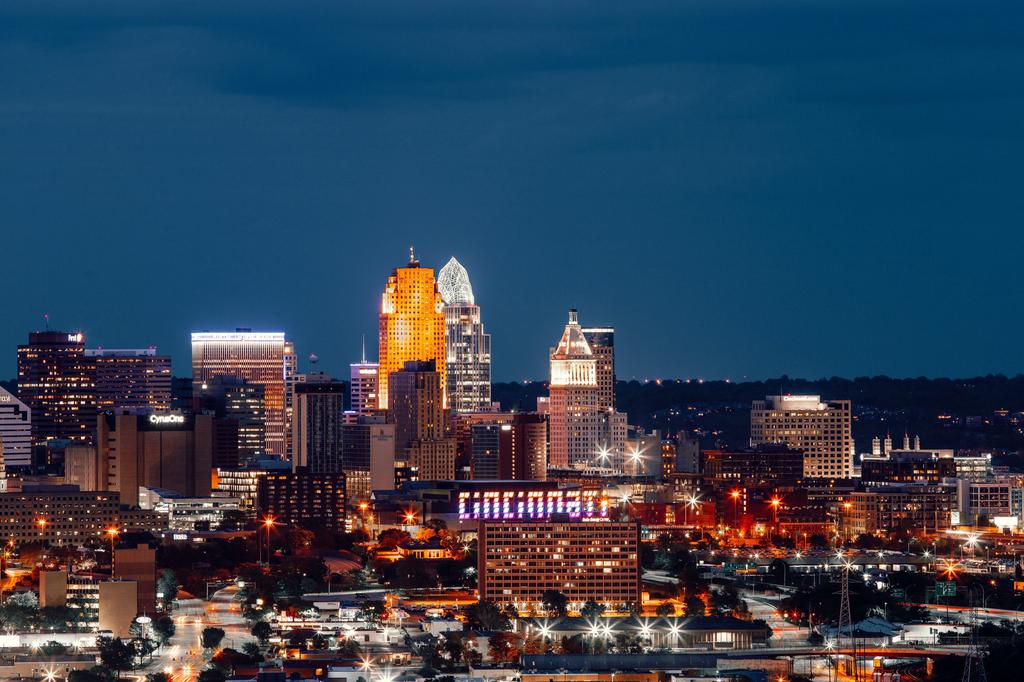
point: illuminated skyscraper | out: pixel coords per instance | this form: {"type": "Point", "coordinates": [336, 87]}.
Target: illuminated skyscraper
{"type": "Point", "coordinates": [468, 347]}
{"type": "Point", "coordinates": [259, 358]}
{"type": "Point", "coordinates": [412, 324]}
{"type": "Point", "coordinates": [58, 384]}
{"type": "Point", "coordinates": [576, 423]}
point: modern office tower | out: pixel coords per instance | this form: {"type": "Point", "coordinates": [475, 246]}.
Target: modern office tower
{"type": "Point", "coordinates": [363, 380]}
{"type": "Point", "coordinates": [416, 408]}
{"type": "Point", "coordinates": [368, 456]}
{"type": "Point", "coordinates": [486, 445]}
{"type": "Point", "coordinates": [291, 375]}
{"type": "Point", "coordinates": [259, 358]}
{"type": "Point", "coordinates": [319, 405]}
{"type": "Point", "coordinates": [303, 498]}
{"type": "Point", "coordinates": [137, 562]}
{"type": "Point", "coordinates": [412, 324]}
{"type": "Point", "coordinates": [517, 446]}
{"type": "Point", "coordinates": [239, 401]}
{"type": "Point", "coordinates": [602, 344]}
{"type": "Point", "coordinates": [524, 448]}
{"type": "Point", "coordinates": [169, 450]}
{"type": "Point", "coordinates": [822, 430]}
{"type": "Point", "coordinates": [468, 347]}
{"type": "Point", "coordinates": [57, 382]}
{"type": "Point", "coordinates": [134, 380]}
{"type": "Point", "coordinates": [585, 560]}
{"type": "Point", "coordinates": [576, 425]}
{"type": "Point", "coordinates": [15, 432]}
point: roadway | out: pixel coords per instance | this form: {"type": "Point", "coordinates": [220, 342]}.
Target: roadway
{"type": "Point", "coordinates": [183, 657]}
{"type": "Point", "coordinates": [961, 613]}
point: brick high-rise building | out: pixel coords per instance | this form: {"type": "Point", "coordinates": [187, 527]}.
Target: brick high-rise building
{"type": "Point", "coordinates": [262, 358]}
{"type": "Point", "coordinates": [133, 380]}
{"type": "Point", "coordinates": [822, 430]}
{"type": "Point", "coordinates": [512, 446]}
{"type": "Point", "coordinates": [319, 405]}
{"type": "Point", "coordinates": [415, 407]}
{"type": "Point", "coordinates": [585, 560]}
{"type": "Point", "coordinates": [171, 451]}
{"type": "Point", "coordinates": [58, 383]}
{"type": "Point", "coordinates": [412, 326]}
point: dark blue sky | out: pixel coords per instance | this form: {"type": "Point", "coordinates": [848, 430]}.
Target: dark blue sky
{"type": "Point", "coordinates": [741, 188]}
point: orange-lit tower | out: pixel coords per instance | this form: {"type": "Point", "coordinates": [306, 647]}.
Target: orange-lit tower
{"type": "Point", "coordinates": [411, 324]}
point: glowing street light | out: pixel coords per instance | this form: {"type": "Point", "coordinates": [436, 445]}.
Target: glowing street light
{"type": "Point", "coordinates": [268, 523]}
{"type": "Point", "coordinates": [645, 629]}
{"type": "Point", "coordinates": [735, 495]}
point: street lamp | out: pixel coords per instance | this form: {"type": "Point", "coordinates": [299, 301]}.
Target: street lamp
{"type": "Point", "coordinates": [774, 502]}
{"type": "Point", "coordinates": [735, 495]}
{"type": "Point", "coordinates": [268, 523]}
{"type": "Point", "coordinates": [112, 533]}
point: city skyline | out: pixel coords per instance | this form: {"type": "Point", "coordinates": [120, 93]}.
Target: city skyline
{"type": "Point", "coordinates": [852, 210]}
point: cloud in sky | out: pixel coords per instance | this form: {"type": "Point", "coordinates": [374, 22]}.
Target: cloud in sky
{"type": "Point", "coordinates": [742, 188]}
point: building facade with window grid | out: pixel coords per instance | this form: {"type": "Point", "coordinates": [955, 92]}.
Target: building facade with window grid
{"type": "Point", "coordinates": [585, 560]}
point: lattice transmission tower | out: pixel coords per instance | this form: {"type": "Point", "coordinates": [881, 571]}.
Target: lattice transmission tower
{"type": "Point", "coordinates": [974, 663]}
{"type": "Point", "coordinates": [846, 620]}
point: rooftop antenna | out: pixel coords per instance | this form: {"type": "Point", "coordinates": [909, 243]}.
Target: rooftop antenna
{"type": "Point", "coordinates": [46, 319]}
{"type": "Point", "coordinates": [364, 349]}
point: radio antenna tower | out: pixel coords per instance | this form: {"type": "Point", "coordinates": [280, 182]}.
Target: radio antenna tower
{"type": "Point", "coordinates": [974, 663]}
{"type": "Point", "coordinates": [846, 620]}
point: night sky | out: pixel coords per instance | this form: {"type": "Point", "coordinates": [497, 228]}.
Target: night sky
{"type": "Point", "coordinates": [743, 189]}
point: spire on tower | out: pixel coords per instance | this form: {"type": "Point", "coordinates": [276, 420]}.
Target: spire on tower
{"type": "Point", "coordinates": [412, 256]}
